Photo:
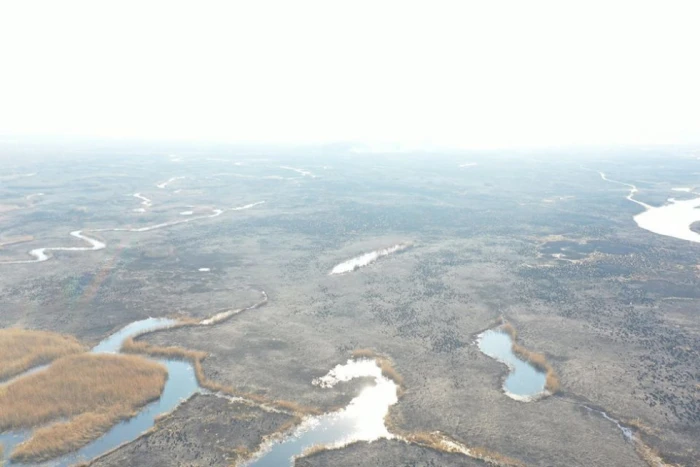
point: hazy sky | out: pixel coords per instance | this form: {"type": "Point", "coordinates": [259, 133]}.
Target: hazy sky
{"type": "Point", "coordinates": [462, 74]}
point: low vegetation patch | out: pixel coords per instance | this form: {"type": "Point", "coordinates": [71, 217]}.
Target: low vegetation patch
{"type": "Point", "coordinates": [15, 240]}
{"type": "Point", "coordinates": [440, 442]}
{"type": "Point", "coordinates": [22, 349]}
{"type": "Point", "coordinates": [196, 357]}
{"type": "Point", "coordinates": [91, 391]}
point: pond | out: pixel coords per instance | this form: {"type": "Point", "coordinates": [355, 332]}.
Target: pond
{"type": "Point", "coordinates": [524, 382]}
{"type": "Point", "coordinates": [361, 420]}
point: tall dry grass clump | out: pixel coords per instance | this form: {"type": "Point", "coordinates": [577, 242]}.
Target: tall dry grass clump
{"type": "Point", "coordinates": [510, 330]}
{"type": "Point", "coordinates": [442, 443]}
{"type": "Point", "coordinates": [363, 353]}
{"type": "Point", "coordinates": [494, 458]}
{"type": "Point", "coordinates": [22, 349]}
{"type": "Point", "coordinates": [63, 437]}
{"type": "Point", "coordinates": [387, 367]}
{"type": "Point", "coordinates": [388, 371]}
{"type": "Point", "coordinates": [91, 391]}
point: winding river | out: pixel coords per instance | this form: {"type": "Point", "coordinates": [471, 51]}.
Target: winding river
{"type": "Point", "coordinates": [180, 386]}
{"type": "Point", "coordinates": [40, 254]}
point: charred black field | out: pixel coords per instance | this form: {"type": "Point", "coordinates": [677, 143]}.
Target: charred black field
{"type": "Point", "coordinates": [407, 255]}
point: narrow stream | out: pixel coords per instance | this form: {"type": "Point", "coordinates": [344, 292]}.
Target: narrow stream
{"type": "Point", "coordinates": [361, 420]}
{"type": "Point", "coordinates": [40, 254]}
{"type": "Point", "coordinates": [524, 382]}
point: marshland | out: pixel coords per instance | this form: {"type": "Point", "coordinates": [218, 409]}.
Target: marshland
{"type": "Point", "coordinates": [614, 315]}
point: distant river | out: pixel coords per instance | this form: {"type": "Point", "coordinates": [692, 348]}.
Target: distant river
{"type": "Point", "coordinates": [671, 220]}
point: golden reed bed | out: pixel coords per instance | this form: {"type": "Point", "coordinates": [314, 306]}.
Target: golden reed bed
{"type": "Point", "coordinates": [22, 349]}
{"type": "Point", "coordinates": [84, 395]}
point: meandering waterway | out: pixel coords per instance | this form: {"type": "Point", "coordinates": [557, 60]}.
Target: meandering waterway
{"type": "Point", "coordinates": [524, 382]}
{"type": "Point", "coordinates": [40, 254]}
{"type": "Point", "coordinates": [180, 386]}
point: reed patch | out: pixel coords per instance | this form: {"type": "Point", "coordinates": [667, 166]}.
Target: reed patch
{"type": "Point", "coordinates": [385, 365]}
{"type": "Point", "coordinates": [91, 391]}
{"type": "Point", "coordinates": [22, 349]}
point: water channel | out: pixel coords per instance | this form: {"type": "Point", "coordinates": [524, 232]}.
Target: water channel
{"type": "Point", "coordinates": [524, 382]}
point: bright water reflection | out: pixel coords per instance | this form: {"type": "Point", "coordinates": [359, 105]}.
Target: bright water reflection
{"type": "Point", "coordinates": [361, 420]}
{"type": "Point", "coordinates": [524, 382]}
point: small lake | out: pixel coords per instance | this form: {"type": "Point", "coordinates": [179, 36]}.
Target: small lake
{"type": "Point", "coordinates": [524, 382]}
{"type": "Point", "coordinates": [672, 220]}
{"type": "Point", "coordinates": [180, 385]}
{"type": "Point", "coordinates": [361, 420]}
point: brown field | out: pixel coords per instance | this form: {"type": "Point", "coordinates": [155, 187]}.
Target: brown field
{"type": "Point", "coordinates": [63, 437]}
{"type": "Point", "coordinates": [92, 391]}
{"type": "Point", "coordinates": [22, 349]}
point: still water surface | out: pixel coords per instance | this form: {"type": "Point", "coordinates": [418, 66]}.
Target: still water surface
{"type": "Point", "coordinates": [524, 382]}
{"type": "Point", "coordinates": [361, 420]}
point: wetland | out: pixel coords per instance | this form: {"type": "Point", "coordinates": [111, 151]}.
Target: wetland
{"type": "Point", "coordinates": [559, 251]}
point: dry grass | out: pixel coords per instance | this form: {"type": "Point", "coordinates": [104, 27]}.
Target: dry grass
{"type": "Point", "coordinates": [639, 424]}
{"type": "Point", "coordinates": [537, 359]}
{"type": "Point", "coordinates": [510, 330]}
{"type": "Point", "coordinates": [363, 353]}
{"type": "Point", "coordinates": [440, 442]}
{"type": "Point", "coordinates": [494, 458]}
{"type": "Point", "coordinates": [241, 454]}
{"type": "Point", "coordinates": [92, 391]}
{"type": "Point", "coordinates": [388, 371]}
{"type": "Point", "coordinates": [22, 349]}
{"type": "Point", "coordinates": [387, 367]}
{"type": "Point", "coordinates": [320, 448]}
{"type": "Point", "coordinates": [651, 455]}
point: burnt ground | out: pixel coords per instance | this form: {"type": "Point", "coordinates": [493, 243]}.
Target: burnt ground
{"type": "Point", "coordinates": [206, 430]}
{"type": "Point", "coordinates": [385, 452]}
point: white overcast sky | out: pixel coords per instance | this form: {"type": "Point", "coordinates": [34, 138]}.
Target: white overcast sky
{"type": "Point", "coordinates": [462, 74]}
